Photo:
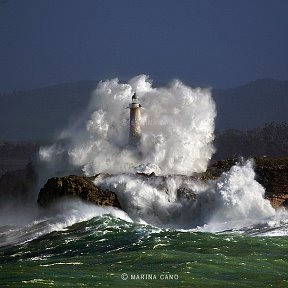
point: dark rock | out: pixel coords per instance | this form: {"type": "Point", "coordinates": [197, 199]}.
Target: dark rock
{"type": "Point", "coordinates": [186, 194]}
{"type": "Point", "coordinates": [215, 170]}
{"type": "Point", "coordinates": [76, 186]}
{"type": "Point", "coordinates": [285, 203]}
{"type": "Point", "coordinates": [273, 175]}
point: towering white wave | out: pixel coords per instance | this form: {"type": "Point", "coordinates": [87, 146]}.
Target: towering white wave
{"type": "Point", "coordinates": [177, 131]}
{"type": "Point", "coordinates": [238, 200]}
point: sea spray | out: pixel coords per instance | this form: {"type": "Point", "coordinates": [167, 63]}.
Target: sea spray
{"type": "Point", "coordinates": [177, 134]}
{"type": "Point", "coordinates": [237, 200]}
{"type": "Point", "coordinates": [177, 131]}
{"type": "Point", "coordinates": [235, 197]}
{"type": "Point", "coordinates": [240, 196]}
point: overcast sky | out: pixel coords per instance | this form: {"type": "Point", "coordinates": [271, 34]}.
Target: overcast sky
{"type": "Point", "coordinates": [219, 43]}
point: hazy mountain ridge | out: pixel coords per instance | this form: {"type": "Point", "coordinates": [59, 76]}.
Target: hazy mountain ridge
{"type": "Point", "coordinates": [40, 113]}
{"type": "Point", "coordinates": [15, 156]}
{"type": "Point", "coordinates": [252, 105]}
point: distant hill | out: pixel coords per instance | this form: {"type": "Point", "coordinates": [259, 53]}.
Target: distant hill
{"type": "Point", "coordinates": [15, 156]}
{"type": "Point", "coordinates": [270, 140]}
{"type": "Point", "coordinates": [38, 114]}
{"type": "Point", "coordinates": [252, 105]}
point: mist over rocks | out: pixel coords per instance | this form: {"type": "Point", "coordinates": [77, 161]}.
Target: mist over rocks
{"type": "Point", "coordinates": [158, 199]}
{"type": "Point", "coordinates": [16, 186]}
{"type": "Point", "coordinates": [167, 200]}
{"type": "Point", "coordinates": [91, 188]}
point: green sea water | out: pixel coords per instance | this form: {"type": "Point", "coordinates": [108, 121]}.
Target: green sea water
{"type": "Point", "coordinates": [109, 252]}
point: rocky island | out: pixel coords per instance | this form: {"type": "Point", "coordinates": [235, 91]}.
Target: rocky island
{"type": "Point", "coordinates": [272, 174]}
{"type": "Point", "coordinates": [15, 186]}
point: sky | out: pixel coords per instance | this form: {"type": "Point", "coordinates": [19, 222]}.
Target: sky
{"type": "Point", "coordinates": [217, 43]}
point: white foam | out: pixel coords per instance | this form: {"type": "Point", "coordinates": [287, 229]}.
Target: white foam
{"type": "Point", "coordinates": [238, 199]}
{"type": "Point", "coordinates": [234, 200]}
{"type": "Point", "coordinates": [177, 131]}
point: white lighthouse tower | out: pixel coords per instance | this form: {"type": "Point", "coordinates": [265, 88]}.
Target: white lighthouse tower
{"type": "Point", "coordinates": [135, 121]}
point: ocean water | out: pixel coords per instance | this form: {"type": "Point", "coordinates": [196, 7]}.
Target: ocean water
{"type": "Point", "coordinates": [82, 246]}
{"type": "Point", "coordinates": [230, 236]}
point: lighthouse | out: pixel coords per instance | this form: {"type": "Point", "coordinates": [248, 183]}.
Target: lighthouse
{"type": "Point", "coordinates": [135, 121]}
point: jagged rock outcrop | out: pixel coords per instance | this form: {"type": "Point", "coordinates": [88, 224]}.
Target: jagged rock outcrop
{"type": "Point", "coordinates": [76, 186]}
{"type": "Point", "coordinates": [271, 173]}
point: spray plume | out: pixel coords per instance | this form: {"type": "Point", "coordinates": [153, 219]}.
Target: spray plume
{"type": "Point", "coordinates": [177, 131]}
